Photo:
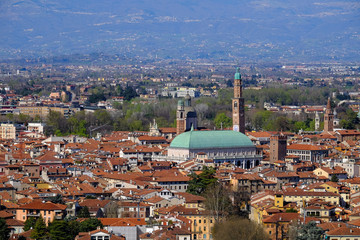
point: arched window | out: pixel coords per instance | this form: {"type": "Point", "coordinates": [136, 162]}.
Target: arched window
{"type": "Point", "coordinates": [235, 104]}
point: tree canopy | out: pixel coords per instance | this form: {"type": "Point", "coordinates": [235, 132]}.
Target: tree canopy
{"type": "Point", "coordinates": [40, 231]}
{"type": "Point", "coordinates": [222, 121]}
{"type": "Point", "coordinates": [238, 228]}
{"type": "Point", "coordinates": [29, 223]}
{"type": "Point", "coordinates": [59, 230]}
{"type": "Point", "coordinates": [4, 230]}
{"type": "Point", "coordinates": [84, 212]}
{"type": "Point", "coordinates": [310, 232]}
{"type": "Point", "coordinates": [199, 183]}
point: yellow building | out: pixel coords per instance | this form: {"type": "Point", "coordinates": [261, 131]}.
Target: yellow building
{"type": "Point", "coordinates": [337, 171]}
{"type": "Point", "coordinates": [43, 111]}
{"type": "Point", "coordinates": [34, 111]}
{"type": "Point", "coordinates": [201, 225]}
{"type": "Point", "coordinates": [201, 221]}
{"type": "Point", "coordinates": [277, 225]}
{"type": "Point", "coordinates": [299, 197]}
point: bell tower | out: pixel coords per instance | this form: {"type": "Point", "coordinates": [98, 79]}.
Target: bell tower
{"type": "Point", "coordinates": [238, 110]}
{"type": "Point", "coordinates": [180, 118]}
{"type": "Point", "coordinates": [328, 118]}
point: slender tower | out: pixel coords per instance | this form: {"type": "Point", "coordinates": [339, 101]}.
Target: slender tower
{"type": "Point", "coordinates": [180, 118]}
{"type": "Point", "coordinates": [238, 109]}
{"type": "Point", "coordinates": [328, 118]}
{"type": "Point", "coordinates": [317, 121]}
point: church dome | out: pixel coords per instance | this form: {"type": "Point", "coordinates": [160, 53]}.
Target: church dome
{"type": "Point", "coordinates": [211, 139]}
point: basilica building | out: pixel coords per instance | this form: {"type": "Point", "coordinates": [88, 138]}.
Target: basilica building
{"type": "Point", "coordinates": [221, 146]}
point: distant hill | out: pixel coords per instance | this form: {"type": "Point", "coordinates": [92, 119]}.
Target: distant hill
{"type": "Point", "coordinates": [265, 30]}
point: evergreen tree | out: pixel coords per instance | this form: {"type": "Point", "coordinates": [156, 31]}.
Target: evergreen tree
{"type": "Point", "coordinates": [129, 93]}
{"type": "Point", "coordinates": [310, 232]}
{"type": "Point", "coordinates": [90, 225]}
{"type": "Point", "coordinates": [334, 178]}
{"type": "Point", "coordinates": [199, 183]}
{"type": "Point", "coordinates": [29, 223]}
{"type": "Point", "coordinates": [4, 230]}
{"type": "Point", "coordinates": [59, 230]}
{"type": "Point", "coordinates": [74, 228]}
{"type": "Point", "coordinates": [84, 212]}
{"type": "Point", "coordinates": [40, 231]}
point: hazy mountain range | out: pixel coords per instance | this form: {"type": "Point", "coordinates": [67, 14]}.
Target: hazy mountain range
{"type": "Point", "coordinates": [300, 30]}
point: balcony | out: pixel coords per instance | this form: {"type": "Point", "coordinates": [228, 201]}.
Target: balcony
{"type": "Point", "coordinates": [33, 214]}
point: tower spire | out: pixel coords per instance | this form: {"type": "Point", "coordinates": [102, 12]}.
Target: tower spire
{"type": "Point", "coordinates": [328, 105]}
{"type": "Point", "coordinates": [238, 109]}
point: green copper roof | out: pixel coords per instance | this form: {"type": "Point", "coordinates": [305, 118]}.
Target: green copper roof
{"type": "Point", "coordinates": [237, 74]}
{"type": "Point", "coordinates": [211, 139]}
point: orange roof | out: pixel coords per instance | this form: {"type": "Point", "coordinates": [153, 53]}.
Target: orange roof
{"type": "Point", "coordinates": [38, 205]}
{"type": "Point", "coordinates": [151, 138]}
{"type": "Point", "coordinates": [122, 221]}
{"type": "Point", "coordinates": [282, 217]}
{"type": "Point", "coordinates": [260, 134]}
{"type": "Point", "coordinates": [305, 147]}
{"type": "Point", "coordinates": [348, 132]}
{"type": "Point", "coordinates": [344, 231]}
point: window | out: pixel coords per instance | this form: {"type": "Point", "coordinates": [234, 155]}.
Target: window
{"type": "Point", "coordinates": [204, 236]}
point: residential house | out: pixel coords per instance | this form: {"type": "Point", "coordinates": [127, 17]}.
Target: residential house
{"type": "Point", "coordinates": [47, 210]}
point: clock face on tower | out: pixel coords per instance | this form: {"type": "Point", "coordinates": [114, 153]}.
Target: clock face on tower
{"type": "Point", "coordinates": [236, 128]}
